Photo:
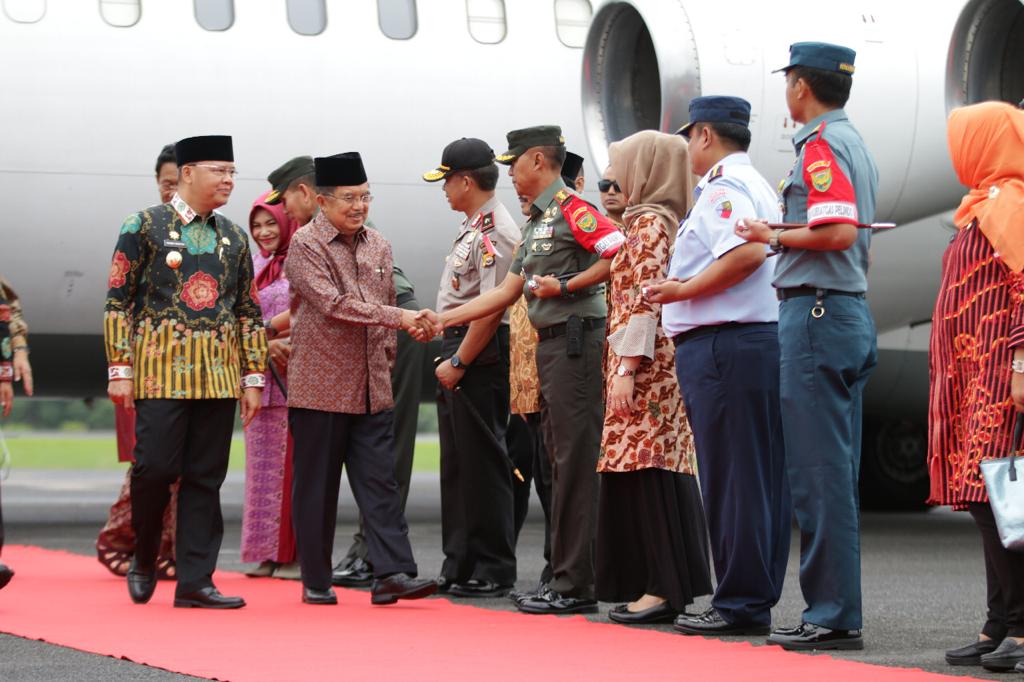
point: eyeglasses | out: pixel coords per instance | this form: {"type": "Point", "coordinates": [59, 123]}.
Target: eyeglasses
{"type": "Point", "coordinates": [605, 185]}
{"type": "Point", "coordinates": [218, 170]}
{"type": "Point", "coordinates": [350, 199]}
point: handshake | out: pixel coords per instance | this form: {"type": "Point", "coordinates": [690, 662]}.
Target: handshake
{"type": "Point", "coordinates": [422, 326]}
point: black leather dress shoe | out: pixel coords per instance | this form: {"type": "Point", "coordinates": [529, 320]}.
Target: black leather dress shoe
{"type": "Point", "coordinates": [1019, 667]}
{"type": "Point", "coordinates": [711, 623]}
{"type": "Point", "coordinates": [971, 654]}
{"type": "Point", "coordinates": [1005, 657]}
{"type": "Point", "coordinates": [478, 588]}
{"type": "Point", "coordinates": [662, 613]}
{"type": "Point", "coordinates": [553, 603]}
{"type": "Point", "coordinates": [355, 573]}
{"type": "Point", "coordinates": [5, 575]}
{"type": "Point", "coordinates": [401, 586]}
{"type": "Point", "coordinates": [311, 596]}
{"type": "Point", "coordinates": [807, 636]}
{"type": "Point", "coordinates": [207, 598]}
{"type": "Point", "coordinates": [141, 583]}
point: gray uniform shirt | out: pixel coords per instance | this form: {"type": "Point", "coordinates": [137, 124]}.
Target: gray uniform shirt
{"type": "Point", "coordinates": [842, 270]}
{"type": "Point", "coordinates": [480, 256]}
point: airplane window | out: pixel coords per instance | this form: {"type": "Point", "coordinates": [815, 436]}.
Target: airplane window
{"type": "Point", "coordinates": [397, 18]}
{"type": "Point", "coordinates": [572, 18]}
{"type": "Point", "coordinates": [486, 20]}
{"type": "Point", "coordinates": [308, 17]}
{"type": "Point", "coordinates": [25, 11]}
{"type": "Point", "coordinates": [215, 15]}
{"type": "Point", "coordinates": [121, 13]}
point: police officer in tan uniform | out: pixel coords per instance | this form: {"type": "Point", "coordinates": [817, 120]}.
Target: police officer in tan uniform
{"type": "Point", "coordinates": [560, 266]}
{"type": "Point", "coordinates": [477, 526]}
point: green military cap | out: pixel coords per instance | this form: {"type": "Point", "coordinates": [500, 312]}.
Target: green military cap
{"type": "Point", "coordinates": [286, 174]}
{"type": "Point", "coordinates": [525, 138]}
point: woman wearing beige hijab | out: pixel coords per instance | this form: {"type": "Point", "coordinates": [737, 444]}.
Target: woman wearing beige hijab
{"type": "Point", "coordinates": [651, 544]}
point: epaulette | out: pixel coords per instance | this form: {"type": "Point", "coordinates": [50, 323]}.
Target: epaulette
{"type": "Point", "coordinates": [563, 196]}
{"type": "Point", "coordinates": [716, 172]}
{"type": "Point", "coordinates": [487, 222]}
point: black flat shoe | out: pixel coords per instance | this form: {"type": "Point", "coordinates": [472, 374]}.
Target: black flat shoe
{"type": "Point", "coordinates": [806, 637]}
{"type": "Point", "coordinates": [972, 653]}
{"type": "Point", "coordinates": [478, 589]}
{"type": "Point", "coordinates": [711, 624]}
{"type": "Point", "coordinates": [141, 583]}
{"type": "Point", "coordinates": [662, 613]}
{"type": "Point", "coordinates": [401, 586]}
{"type": "Point", "coordinates": [553, 603]}
{"type": "Point", "coordinates": [6, 573]}
{"type": "Point", "coordinates": [1005, 657]}
{"type": "Point", "coordinates": [356, 573]}
{"type": "Point", "coordinates": [207, 598]}
{"type": "Point", "coordinates": [311, 596]}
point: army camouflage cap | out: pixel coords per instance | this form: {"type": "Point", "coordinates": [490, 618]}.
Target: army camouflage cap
{"type": "Point", "coordinates": [525, 138]}
{"type": "Point", "coordinates": [286, 174]}
{"type": "Point", "coordinates": [467, 153]}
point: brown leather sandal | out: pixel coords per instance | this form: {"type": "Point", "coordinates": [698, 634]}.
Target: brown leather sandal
{"type": "Point", "coordinates": [117, 561]}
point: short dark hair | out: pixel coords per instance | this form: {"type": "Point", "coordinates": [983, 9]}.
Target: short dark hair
{"type": "Point", "coordinates": [554, 155]}
{"type": "Point", "coordinates": [732, 135]}
{"type": "Point", "coordinates": [831, 88]}
{"type": "Point", "coordinates": [307, 180]}
{"type": "Point", "coordinates": [166, 156]}
{"type": "Point", "coordinates": [486, 177]}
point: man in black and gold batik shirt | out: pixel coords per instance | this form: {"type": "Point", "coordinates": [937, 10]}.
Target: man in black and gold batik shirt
{"type": "Point", "coordinates": [184, 341]}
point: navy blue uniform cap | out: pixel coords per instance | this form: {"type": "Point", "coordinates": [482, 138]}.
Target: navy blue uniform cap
{"type": "Point", "coordinates": [717, 109]}
{"type": "Point", "coordinates": [824, 56]}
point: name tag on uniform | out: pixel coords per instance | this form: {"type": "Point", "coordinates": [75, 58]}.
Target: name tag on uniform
{"type": "Point", "coordinates": [545, 231]}
{"type": "Point", "coordinates": [174, 244]}
{"type": "Point", "coordinates": [462, 250]}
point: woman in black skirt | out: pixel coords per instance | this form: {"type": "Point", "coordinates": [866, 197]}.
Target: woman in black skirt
{"type": "Point", "coordinates": [651, 539]}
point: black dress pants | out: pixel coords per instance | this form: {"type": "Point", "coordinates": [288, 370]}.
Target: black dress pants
{"type": "Point", "coordinates": [364, 443]}
{"type": "Point", "coordinates": [477, 525]}
{"type": "Point", "coordinates": [1004, 576]}
{"type": "Point", "coordinates": [525, 440]}
{"type": "Point", "coordinates": [190, 439]}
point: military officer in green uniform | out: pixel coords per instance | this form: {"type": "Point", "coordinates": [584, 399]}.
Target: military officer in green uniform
{"type": "Point", "coordinates": [560, 267]}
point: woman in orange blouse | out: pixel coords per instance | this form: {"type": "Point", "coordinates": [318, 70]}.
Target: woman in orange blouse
{"type": "Point", "coordinates": [651, 544]}
{"type": "Point", "coordinates": [977, 357]}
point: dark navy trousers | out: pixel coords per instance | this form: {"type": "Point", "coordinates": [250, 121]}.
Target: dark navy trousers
{"type": "Point", "coordinates": [729, 378]}
{"type": "Point", "coordinates": [826, 361]}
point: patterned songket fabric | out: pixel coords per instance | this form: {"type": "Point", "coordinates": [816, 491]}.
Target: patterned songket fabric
{"type": "Point", "coordinates": [978, 321]}
{"type": "Point", "coordinates": [182, 315]}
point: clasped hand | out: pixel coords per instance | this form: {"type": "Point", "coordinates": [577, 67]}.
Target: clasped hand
{"type": "Point", "coordinates": [753, 230]}
{"type": "Point", "coordinates": [422, 326]}
{"type": "Point", "coordinates": [546, 286]}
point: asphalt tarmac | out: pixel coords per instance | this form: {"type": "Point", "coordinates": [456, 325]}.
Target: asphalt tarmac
{"type": "Point", "coordinates": [923, 575]}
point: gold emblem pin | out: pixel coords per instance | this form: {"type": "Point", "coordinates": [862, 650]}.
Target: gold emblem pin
{"type": "Point", "coordinates": [225, 241]}
{"type": "Point", "coordinates": [173, 235]}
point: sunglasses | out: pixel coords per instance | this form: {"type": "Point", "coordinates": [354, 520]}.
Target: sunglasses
{"type": "Point", "coordinates": [605, 185]}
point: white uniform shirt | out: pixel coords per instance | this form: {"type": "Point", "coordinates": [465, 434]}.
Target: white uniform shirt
{"type": "Point", "coordinates": [731, 190]}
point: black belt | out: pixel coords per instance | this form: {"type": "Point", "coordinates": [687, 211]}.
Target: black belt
{"type": "Point", "coordinates": [559, 329]}
{"type": "Point", "coordinates": [460, 331]}
{"type": "Point", "coordinates": [793, 292]}
{"type": "Point", "coordinates": [405, 298]}
{"type": "Point", "coordinates": [456, 332]}
{"type": "Point", "coordinates": [698, 332]}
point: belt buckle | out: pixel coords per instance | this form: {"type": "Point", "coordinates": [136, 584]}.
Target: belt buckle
{"type": "Point", "coordinates": [818, 311]}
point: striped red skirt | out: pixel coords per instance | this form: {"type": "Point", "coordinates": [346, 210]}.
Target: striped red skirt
{"type": "Point", "coordinates": [979, 316]}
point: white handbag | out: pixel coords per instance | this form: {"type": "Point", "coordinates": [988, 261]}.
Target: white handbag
{"type": "Point", "coordinates": [1004, 481]}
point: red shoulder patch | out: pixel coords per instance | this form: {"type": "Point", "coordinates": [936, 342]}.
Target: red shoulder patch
{"type": "Point", "coordinates": [830, 194]}
{"type": "Point", "coordinates": [592, 230]}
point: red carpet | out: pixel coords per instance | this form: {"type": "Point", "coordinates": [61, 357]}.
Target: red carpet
{"type": "Point", "coordinates": [71, 600]}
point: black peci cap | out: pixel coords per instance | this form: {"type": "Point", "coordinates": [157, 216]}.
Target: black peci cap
{"type": "Point", "coordinates": [340, 170]}
{"type": "Point", "coordinates": [571, 167]}
{"type": "Point", "coordinates": [203, 148]}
